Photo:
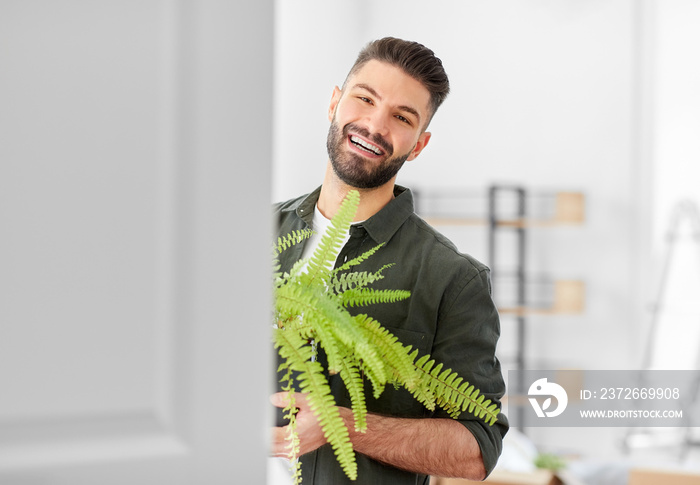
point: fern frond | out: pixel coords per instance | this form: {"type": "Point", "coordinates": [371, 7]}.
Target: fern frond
{"type": "Point", "coordinates": [293, 349]}
{"type": "Point", "coordinates": [323, 406]}
{"type": "Point", "coordinates": [281, 279]}
{"type": "Point", "coordinates": [361, 350]}
{"type": "Point", "coordinates": [276, 267]}
{"type": "Point", "coordinates": [312, 315]}
{"type": "Point", "coordinates": [396, 357]}
{"type": "Point", "coordinates": [294, 443]}
{"type": "Point", "coordinates": [327, 251]}
{"type": "Point", "coordinates": [297, 268]}
{"type": "Point", "coordinates": [293, 300]}
{"type": "Point", "coordinates": [337, 353]}
{"type": "Point", "coordinates": [355, 261]}
{"type": "Point", "coordinates": [311, 380]}
{"type": "Point", "coordinates": [289, 240]}
{"type": "Point", "coordinates": [346, 281]}
{"type": "Point", "coordinates": [368, 296]}
{"type": "Point", "coordinates": [453, 394]}
{"type": "Point", "coordinates": [332, 324]}
{"type": "Point", "coordinates": [350, 373]}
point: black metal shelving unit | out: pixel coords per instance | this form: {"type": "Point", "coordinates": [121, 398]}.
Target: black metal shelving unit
{"type": "Point", "coordinates": [517, 225]}
{"type": "Point", "coordinates": [505, 211]}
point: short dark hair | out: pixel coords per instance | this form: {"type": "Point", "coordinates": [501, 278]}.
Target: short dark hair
{"type": "Point", "coordinates": [414, 59]}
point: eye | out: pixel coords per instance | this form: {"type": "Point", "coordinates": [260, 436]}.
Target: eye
{"type": "Point", "coordinates": [403, 119]}
{"type": "Point", "coordinates": [364, 99]}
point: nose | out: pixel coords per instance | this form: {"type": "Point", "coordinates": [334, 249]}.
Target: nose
{"type": "Point", "coordinates": [378, 122]}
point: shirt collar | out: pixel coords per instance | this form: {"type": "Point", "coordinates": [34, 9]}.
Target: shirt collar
{"type": "Point", "coordinates": [382, 225]}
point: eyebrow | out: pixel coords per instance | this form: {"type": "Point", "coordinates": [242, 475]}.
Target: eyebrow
{"type": "Point", "coordinates": [374, 93]}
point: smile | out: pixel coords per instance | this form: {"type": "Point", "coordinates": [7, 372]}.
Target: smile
{"type": "Point", "coordinates": [366, 146]}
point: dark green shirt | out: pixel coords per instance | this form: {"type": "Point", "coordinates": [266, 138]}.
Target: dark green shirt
{"type": "Point", "coordinates": [449, 315]}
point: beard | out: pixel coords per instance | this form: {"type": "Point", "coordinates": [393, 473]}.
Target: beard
{"type": "Point", "coordinates": [355, 170]}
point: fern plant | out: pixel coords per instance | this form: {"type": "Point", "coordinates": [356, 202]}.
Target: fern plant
{"type": "Point", "coordinates": [311, 311]}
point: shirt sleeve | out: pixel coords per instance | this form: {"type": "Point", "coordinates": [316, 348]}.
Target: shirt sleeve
{"type": "Point", "coordinates": [465, 341]}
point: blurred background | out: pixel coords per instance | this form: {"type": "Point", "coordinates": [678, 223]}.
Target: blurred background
{"type": "Point", "coordinates": [141, 143]}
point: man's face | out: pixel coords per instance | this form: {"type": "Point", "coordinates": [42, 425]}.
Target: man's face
{"type": "Point", "coordinates": [377, 124]}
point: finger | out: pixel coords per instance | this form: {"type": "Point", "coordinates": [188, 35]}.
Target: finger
{"type": "Point", "coordinates": [279, 447]}
{"type": "Point", "coordinates": [301, 401]}
{"type": "Point", "coordinates": [279, 434]}
{"type": "Point", "coordinates": [279, 399]}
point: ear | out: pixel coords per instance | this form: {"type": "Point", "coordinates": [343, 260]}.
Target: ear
{"type": "Point", "coordinates": [337, 93]}
{"type": "Point", "coordinates": [423, 140]}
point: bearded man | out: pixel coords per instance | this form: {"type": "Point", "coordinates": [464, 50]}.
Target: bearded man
{"type": "Point", "coordinates": [378, 121]}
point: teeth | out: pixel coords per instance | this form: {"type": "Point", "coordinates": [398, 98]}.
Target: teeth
{"type": "Point", "coordinates": [365, 145]}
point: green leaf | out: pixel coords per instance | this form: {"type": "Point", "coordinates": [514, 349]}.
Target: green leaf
{"type": "Point", "coordinates": [327, 251]}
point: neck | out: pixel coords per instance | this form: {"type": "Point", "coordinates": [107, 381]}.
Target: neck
{"type": "Point", "coordinates": [334, 191]}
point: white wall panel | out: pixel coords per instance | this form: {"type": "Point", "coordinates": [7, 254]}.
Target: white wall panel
{"type": "Point", "coordinates": [122, 310]}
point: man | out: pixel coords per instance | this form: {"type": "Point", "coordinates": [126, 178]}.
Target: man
{"type": "Point", "coordinates": [378, 121]}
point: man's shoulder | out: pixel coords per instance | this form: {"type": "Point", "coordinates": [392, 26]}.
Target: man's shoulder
{"type": "Point", "coordinates": [433, 240]}
{"type": "Point", "coordinates": [290, 205]}
{"type": "Point", "coordinates": [294, 213]}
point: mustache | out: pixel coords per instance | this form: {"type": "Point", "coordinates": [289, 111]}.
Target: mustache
{"type": "Point", "coordinates": [373, 137]}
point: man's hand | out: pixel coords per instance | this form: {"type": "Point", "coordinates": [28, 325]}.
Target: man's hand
{"type": "Point", "coordinates": [441, 447]}
{"type": "Point", "coordinates": [309, 431]}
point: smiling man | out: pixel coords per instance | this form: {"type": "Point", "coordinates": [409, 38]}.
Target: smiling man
{"type": "Point", "coordinates": [378, 121]}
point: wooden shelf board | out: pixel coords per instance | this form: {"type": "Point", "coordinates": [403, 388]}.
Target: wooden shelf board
{"type": "Point", "coordinates": [569, 298]}
{"type": "Point", "coordinates": [569, 209]}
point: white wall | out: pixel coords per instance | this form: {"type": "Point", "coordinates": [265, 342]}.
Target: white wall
{"type": "Point", "coordinates": [676, 106]}
{"type": "Point", "coordinates": [316, 42]}
{"type": "Point", "coordinates": [675, 148]}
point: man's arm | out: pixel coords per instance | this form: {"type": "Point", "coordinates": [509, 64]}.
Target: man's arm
{"type": "Point", "coordinates": [440, 447]}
